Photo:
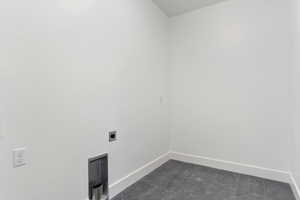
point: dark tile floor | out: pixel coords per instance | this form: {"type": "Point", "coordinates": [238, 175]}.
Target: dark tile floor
{"type": "Point", "coordinates": [182, 181]}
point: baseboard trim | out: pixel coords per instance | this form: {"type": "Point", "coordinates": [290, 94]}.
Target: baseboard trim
{"type": "Point", "coordinates": [118, 186]}
{"type": "Point", "coordinates": [252, 170]}
{"type": "Point", "coordinates": [272, 174]}
{"type": "Point", "coordinates": [294, 187]}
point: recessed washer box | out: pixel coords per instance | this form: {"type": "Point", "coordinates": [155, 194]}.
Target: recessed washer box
{"type": "Point", "coordinates": [98, 177]}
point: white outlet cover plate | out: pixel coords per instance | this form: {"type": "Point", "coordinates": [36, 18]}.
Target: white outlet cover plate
{"type": "Point", "coordinates": [19, 157]}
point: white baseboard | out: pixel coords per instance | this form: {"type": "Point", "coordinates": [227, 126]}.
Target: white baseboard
{"type": "Point", "coordinates": [294, 187]}
{"type": "Point", "coordinates": [118, 186]}
{"type": "Point", "coordinates": [272, 174]}
{"type": "Point", "coordinates": [252, 170]}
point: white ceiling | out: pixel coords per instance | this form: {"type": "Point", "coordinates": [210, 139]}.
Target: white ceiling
{"type": "Point", "coordinates": [177, 7]}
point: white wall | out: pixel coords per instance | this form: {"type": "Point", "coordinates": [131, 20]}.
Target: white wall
{"type": "Point", "coordinates": [70, 72]}
{"type": "Point", "coordinates": [231, 83]}
{"type": "Point", "coordinates": [296, 90]}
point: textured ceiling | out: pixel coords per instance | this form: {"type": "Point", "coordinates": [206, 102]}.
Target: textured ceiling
{"type": "Point", "coordinates": [177, 7]}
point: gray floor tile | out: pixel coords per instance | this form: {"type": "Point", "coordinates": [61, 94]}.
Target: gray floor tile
{"type": "Point", "coordinates": [247, 197]}
{"type": "Point", "coordinates": [248, 185]}
{"type": "Point", "coordinates": [278, 191]}
{"type": "Point", "coordinates": [227, 178]}
{"type": "Point", "coordinates": [176, 180]}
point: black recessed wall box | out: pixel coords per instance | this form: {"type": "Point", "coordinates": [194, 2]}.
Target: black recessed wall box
{"type": "Point", "coordinates": [98, 177]}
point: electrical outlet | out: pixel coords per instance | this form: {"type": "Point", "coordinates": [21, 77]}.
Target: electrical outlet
{"type": "Point", "coordinates": [19, 157]}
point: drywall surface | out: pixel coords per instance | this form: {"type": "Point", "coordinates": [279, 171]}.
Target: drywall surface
{"type": "Point", "coordinates": [70, 72]}
{"type": "Point", "coordinates": [178, 7]}
{"type": "Point", "coordinates": [296, 90]}
{"type": "Point", "coordinates": [230, 83]}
